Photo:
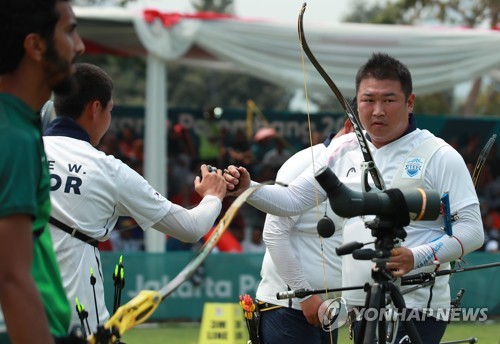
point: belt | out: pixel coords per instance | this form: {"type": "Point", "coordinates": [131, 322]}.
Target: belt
{"type": "Point", "coordinates": [73, 232]}
{"type": "Point", "coordinates": [263, 306]}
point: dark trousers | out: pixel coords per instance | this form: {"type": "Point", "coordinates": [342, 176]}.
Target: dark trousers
{"type": "Point", "coordinates": [430, 330]}
{"type": "Point", "coordinates": [289, 326]}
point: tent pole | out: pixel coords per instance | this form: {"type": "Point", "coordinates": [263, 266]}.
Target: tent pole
{"type": "Point", "coordinates": [155, 139]}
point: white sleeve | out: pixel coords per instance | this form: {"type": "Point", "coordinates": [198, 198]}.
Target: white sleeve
{"type": "Point", "coordinates": [137, 198]}
{"type": "Point", "coordinates": [449, 174]}
{"type": "Point", "coordinates": [277, 230]}
{"type": "Point", "coordinates": [277, 238]}
{"type": "Point", "coordinates": [466, 238]}
{"type": "Point", "coordinates": [303, 192]}
{"type": "Point", "coordinates": [301, 195]}
{"type": "Point", "coordinates": [149, 208]}
{"type": "Point", "coordinates": [190, 225]}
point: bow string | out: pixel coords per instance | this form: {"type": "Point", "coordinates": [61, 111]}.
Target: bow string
{"type": "Point", "coordinates": [374, 172]}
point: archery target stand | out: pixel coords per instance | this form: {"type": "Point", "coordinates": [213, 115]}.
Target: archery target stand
{"type": "Point", "coordinates": [223, 323]}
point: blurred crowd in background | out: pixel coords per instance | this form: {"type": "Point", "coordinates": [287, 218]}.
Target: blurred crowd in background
{"type": "Point", "coordinates": [263, 154]}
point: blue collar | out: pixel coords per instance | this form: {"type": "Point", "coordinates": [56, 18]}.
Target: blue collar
{"type": "Point", "coordinates": [329, 139]}
{"type": "Point", "coordinates": [412, 124]}
{"type": "Point", "coordinates": [66, 126]}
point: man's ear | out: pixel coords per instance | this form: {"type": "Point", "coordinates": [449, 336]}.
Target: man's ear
{"type": "Point", "coordinates": [94, 107]}
{"type": "Point", "coordinates": [35, 46]}
{"type": "Point", "coordinates": [348, 127]}
{"type": "Point", "coordinates": [410, 102]}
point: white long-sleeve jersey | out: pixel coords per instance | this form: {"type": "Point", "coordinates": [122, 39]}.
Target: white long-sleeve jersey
{"type": "Point", "coordinates": [445, 172]}
{"type": "Point", "coordinates": [296, 257]}
{"type": "Point", "coordinates": [89, 192]}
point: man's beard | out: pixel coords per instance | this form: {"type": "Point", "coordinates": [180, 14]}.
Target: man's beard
{"type": "Point", "coordinates": [58, 72]}
{"type": "Point", "coordinates": [65, 87]}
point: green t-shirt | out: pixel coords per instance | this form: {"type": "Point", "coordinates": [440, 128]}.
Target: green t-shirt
{"type": "Point", "coordinates": [24, 189]}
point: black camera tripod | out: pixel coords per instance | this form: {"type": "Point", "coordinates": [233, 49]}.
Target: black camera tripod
{"type": "Point", "coordinates": [386, 233]}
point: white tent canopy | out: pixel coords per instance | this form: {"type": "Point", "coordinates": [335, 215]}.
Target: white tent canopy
{"type": "Point", "coordinates": [439, 58]}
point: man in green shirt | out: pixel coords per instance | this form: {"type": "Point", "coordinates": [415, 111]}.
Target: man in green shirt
{"type": "Point", "coordinates": [39, 47]}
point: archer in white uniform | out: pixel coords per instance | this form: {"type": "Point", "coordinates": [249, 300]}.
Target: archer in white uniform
{"type": "Point", "coordinates": [404, 157]}
{"type": "Point", "coordinates": [296, 257]}
{"type": "Point", "coordinates": [90, 190]}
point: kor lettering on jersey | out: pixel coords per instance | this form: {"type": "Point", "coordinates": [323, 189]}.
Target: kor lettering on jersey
{"type": "Point", "coordinates": [69, 184]}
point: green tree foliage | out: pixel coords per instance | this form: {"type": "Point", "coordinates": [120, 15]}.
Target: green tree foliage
{"type": "Point", "coordinates": [190, 86]}
{"type": "Point", "coordinates": [488, 102]}
{"type": "Point", "coordinates": [128, 74]}
{"type": "Point", "coordinates": [468, 13]}
{"type": "Point", "coordinates": [199, 87]}
{"type": "Point", "coordinates": [434, 104]}
{"type": "Point", "coordinates": [390, 13]}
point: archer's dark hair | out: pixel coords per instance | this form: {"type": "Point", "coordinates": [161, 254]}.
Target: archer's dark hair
{"type": "Point", "coordinates": [18, 18]}
{"type": "Point", "coordinates": [90, 83]}
{"type": "Point", "coordinates": [382, 66]}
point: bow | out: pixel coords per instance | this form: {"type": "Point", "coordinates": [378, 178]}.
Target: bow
{"type": "Point", "coordinates": [481, 160]}
{"type": "Point", "coordinates": [367, 155]}
{"type": "Point", "coordinates": [140, 308]}
{"type": "Point", "coordinates": [369, 165]}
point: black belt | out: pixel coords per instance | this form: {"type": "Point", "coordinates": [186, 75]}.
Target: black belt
{"type": "Point", "coordinates": [266, 306]}
{"type": "Point", "coordinates": [73, 232]}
